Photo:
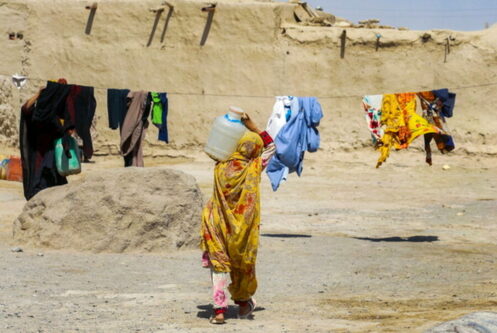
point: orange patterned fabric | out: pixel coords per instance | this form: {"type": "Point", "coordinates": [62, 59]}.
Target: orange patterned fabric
{"type": "Point", "coordinates": [402, 123]}
{"type": "Point", "coordinates": [428, 95]}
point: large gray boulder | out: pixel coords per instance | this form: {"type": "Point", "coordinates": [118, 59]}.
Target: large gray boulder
{"type": "Point", "coordinates": [477, 322]}
{"type": "Point", "coordinates": [115, 210]}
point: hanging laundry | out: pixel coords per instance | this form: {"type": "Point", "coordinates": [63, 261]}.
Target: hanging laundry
{"type": "Point", "coordinates": [372, 106]}
{"type": "Point", "coordinates": [19, 80]}
{"type": "Point", "coordinates": [134, 128]}
{"type": "Point", "coordinates": [116, 106]}
{"type": "Point", "coordinates": [402, 124]}
{"type": "Point", "coordinates": [283, 109]}
{"type": "Point", "coordinates": [448, 100]}
{"type": "Point", "coordinates": [433, 108]}
{"type": "Point", "coordinates": [81, 105]}
{"type": "Point", "coordinates": [300, 134]}
{"type": "Point", "coordinates": [44, 118]}
{"type": "Point", "coordinates": [159, 114]}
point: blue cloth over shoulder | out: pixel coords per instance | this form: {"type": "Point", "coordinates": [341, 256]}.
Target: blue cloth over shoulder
{"type": "Point", "coordinates": [299, 135]}
{"type": "Point", "coordinates": [448, 99]}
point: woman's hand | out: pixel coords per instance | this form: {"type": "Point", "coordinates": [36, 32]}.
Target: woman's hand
{"type": "Point", "coordinates": [249, 123]}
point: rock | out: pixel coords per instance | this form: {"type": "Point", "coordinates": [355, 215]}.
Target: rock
{"type": "Point", "coordinates": [446, 167]}
{"type": "Point", "coordinates": [115, 210]}
{"type": "Point", "coordinates": [425, 37]}
{"type": "Point", "coordinates": [9, 122]}
{"type": "Point", "coordinates": [472, 323]}
{"type": "Point", "coordinates": [343, 24]}
{"type": "Point", "coordinates": [16, 249]}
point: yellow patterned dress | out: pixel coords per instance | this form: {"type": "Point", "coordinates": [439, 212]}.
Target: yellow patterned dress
{"type": "Point", "coordinates": [230, 219]}
{"type": "Point", "coordinates": [402, 123]}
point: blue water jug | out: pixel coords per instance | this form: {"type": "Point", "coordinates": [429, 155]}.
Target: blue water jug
{"type": "Point", "coordinates": [67, 165]}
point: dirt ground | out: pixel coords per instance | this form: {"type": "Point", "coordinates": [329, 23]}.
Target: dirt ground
{"type": "Point", "coordinates": [345, 248]}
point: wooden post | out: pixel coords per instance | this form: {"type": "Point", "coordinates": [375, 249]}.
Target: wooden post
{"type": "Point", "coordinates": [343, 38]}
{"type": "Point", "coordinates": [168, 17]}
{"type": "Point", "coordinates": [91, 17]}
{"type": "Point", "coordinates": [447, 48]}
{"type": "Point", "coordinates": [158, 13]}
{"type": "Point", "coordinates": [210, 9]}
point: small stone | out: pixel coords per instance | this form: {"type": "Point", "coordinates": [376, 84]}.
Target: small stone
{"type": "Point", "coordinates": [40, 254]}
{"type": "Point", "coordinates": [460, 213]}
{"type": "Point", "coordinates": [446, 167]}
{"type": "Point", "coordinates": [16, 249]}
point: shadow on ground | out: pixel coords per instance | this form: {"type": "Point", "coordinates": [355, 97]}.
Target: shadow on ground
{"type": "Point", "coordinates": [206, 311]}
{"type": "Point", "coordinates": [286, 235]}
{"type": "Point", "coordinates": [413, 239]}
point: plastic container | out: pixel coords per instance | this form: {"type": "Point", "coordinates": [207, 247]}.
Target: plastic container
{"type": "Point", "coordinates": [226, 131]}
{"type": "Point", "coordinates": [67, 165]}
{"type": "Point", "coordinates": [14, 170]}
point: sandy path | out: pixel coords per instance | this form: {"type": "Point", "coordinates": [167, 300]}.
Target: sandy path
{"type": "Point", "coordinates": [321, 278]}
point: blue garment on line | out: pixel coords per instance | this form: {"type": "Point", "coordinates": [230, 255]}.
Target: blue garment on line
{"type": "Point", "coordinates": [297, 136]}
{"type": "Point", "coordinates": [448, 99]}
{"type": "Point", "coordinates": [116, 107]}
{"type": "Point", "coordinates": [163, 133]}
{"type": "Point", "coordinates": [293, 109]}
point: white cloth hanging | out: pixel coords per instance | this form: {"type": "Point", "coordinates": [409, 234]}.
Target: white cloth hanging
{"type": "Point", "coordinates": [372, 105]}
{"type": "Point", "coordinates": [19, 80]}
{"type": "Point", "coordinates": [278, 119]}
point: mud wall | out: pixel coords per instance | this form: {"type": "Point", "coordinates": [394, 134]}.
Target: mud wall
{"type": "Point", "coordinates": [254, 50]}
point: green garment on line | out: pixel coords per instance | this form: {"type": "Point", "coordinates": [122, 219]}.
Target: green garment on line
{"type": "Point", "coordinates": [156, 109]}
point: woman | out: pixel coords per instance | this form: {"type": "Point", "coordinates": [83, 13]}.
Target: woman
{"type": "Point", "coordinates": [230, 222]}
{"type": "Point", "coordinates": [44, 119]}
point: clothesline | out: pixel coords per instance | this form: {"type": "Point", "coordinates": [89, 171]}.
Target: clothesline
{"type": "Point", "coordinates": [272, 96]}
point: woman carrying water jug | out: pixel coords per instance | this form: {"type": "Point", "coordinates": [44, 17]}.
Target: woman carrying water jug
{"type": "Point", "coordinates": [230, 222]}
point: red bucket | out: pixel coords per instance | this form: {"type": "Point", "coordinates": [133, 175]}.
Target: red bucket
{"type": "Point", "coordinates": [14, 170]}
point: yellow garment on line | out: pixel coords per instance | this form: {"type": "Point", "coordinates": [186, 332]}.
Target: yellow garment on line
{"type": "Point", "coordinates": [403, 124]}
{"type": "Point", "coordinates": [230, 219]}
